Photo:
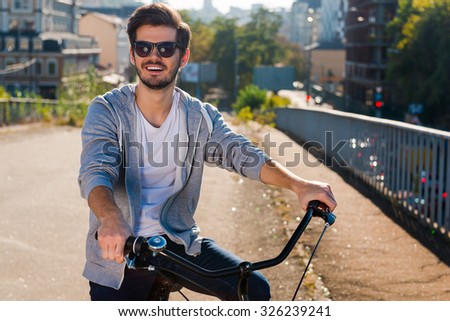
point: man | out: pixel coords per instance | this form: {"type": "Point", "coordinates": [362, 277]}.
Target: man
{"type": "Point", "coordinates": [144, 148]}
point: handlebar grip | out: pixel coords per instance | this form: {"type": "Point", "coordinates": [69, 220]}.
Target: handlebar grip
{"type": "Point", "coordinates": [128, 248]}
{"type": "Point", "coordinates": [135, 245]}
{"type": "Point", "coordinates": [132, 244]}
{"type": "Point", "coordinates": [323, 211]}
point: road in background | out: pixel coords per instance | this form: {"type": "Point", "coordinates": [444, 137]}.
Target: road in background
{"type": "Point", "coordinates": [298, 99]}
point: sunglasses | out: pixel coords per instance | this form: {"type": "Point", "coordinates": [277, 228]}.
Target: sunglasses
{"type": "Point", "coordinates": [164, 49]}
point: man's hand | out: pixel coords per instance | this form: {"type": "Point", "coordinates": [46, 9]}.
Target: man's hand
{"type": "Point", "coordinates": [114, 230]}
{"type": "Point", "coordinates": [308, 191]}
{"type": "Point", "coordinates": [112, 235]}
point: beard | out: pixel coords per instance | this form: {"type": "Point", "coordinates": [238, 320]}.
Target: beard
{"type": "Point", "coordinates": [158, 83]}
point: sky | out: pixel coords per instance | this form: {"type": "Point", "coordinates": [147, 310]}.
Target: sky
{"type": "Point", "coordinates": [224, 6]}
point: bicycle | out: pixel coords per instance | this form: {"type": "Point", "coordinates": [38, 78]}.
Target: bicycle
{"type": "Point", "coordinates": [139, 249]}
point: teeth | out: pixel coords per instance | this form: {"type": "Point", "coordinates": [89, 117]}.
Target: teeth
{"type": "Point", "coordinates": [154, 68]}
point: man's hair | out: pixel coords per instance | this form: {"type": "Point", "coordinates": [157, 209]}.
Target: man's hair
{"type": "Point", "coordinates": [159, 14]}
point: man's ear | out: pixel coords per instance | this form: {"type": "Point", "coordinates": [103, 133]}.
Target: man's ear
{"type": "Point", "coordinates": [132, 60]}
{"type": "Point", "coordinates": [185, 58]}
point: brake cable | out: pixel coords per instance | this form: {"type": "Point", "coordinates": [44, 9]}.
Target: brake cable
{"type": "Point", "coordinates": [327, 225]}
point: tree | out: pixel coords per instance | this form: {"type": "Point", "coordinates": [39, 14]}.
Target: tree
{"type": "Point", "coordinates": [421, 62]}
{"type": "Point", "coordinates": [223, 51]}
{"type": "Point", "coordinates": [258, 44]}
{"type": "Point", "coordinates": [202, 39]}
{"type": "Point", "coordinates": [293, 57]}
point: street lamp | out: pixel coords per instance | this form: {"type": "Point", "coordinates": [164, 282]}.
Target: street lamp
{"type": "Point", "coordinates": [310, 20]}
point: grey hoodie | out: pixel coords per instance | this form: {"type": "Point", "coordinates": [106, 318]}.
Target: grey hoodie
{"type": "Point", "coordinates": [110, 158]}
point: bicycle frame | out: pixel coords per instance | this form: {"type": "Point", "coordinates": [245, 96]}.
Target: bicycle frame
{"type": "Point", "coordinates": [157, 246]}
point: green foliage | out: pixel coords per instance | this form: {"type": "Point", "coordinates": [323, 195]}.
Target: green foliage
{"type": "Point", "coordinates": [276, 101]}
{"type": "Point", "coordinates": [251, 96]}
{"type": "Point", "coordinates": [44, 111]}
{"type": "Point", "coordinates": [256, 104]}
{"type": "Point", "coordinates": [421, 61]}
{"type": "Point", "coordinates": [225, 55]}
{"type": "Point", "coordinates": [74, 98]}
{"type": "Point", "coordinates": [258, 44]}
{"type": "Point", "coordinates": [83, 88]}
{"type": "Point", "coordinates": [265, 117]}
{"type": "Point", "coordinates": [294, 57]}
{"type": "Point", "coordinates": [245, 114]}
{"type": "Point", "coordinates": [201, 41]}
{"type": "Point", "coordinates": [240, 48]}
{"type": "Point", "coordinates": [76, 95]}
{"type": "Point", "coordinates": [3, 93]}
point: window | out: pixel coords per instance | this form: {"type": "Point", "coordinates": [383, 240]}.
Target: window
{"type": "Point", "coordinates": [52, 68]}
{"type": "Point", "coordinates": [10, 44]}
{"type": "Point", "coordinates": [38, 68]}
{"type": "Point", "coordinates": [37, 44]}
{"type": "Point", "coordinates": [14, 24]}
{"type": "Point", "coordinates": [24, 44]}
{"type": "Point", "coordinates": [21, 6]}
{"type": "Point", "coordinates": [30, 25]}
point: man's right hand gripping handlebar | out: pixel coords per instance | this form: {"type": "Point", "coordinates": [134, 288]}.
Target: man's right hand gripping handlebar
{"type": "Point", "coordinates": [114, 230]}
{"type": "Point", "coordinates": [112, 236]}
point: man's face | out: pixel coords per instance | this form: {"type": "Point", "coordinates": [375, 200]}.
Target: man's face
{"type": "Point", "coordinates": [154, 71]}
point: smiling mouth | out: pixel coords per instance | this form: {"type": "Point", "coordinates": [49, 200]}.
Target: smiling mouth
{"type": "Point", "coordinates": [154, 68]}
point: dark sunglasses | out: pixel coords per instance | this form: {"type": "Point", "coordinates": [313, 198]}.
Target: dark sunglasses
{"type": "Point", "coordinates": [164, 49]}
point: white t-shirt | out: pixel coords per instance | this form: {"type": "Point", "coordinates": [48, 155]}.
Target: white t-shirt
{"type": "Point", "coordinates": [159, 175]}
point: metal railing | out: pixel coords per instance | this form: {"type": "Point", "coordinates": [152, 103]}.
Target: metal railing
{"type": "Point", "coordinates": [407, 163]}
{"type": "Point", "coordinates": [23, 110]}
{"type": "Point", "coordinates": [27, 110]}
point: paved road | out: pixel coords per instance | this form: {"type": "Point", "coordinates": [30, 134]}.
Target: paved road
{"type": "Point", "coordinates": [43, 220]}
{"type": "Point", "coordinates": [366, 256]}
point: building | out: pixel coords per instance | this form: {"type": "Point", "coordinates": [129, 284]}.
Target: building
{"type": "Point", "coordinates": [328, 65]}
{"type": "Point", "coordinates": [40, 47]}
{"type": "Point", "coordinates": [110, 33]}
{"type": "Point", "coordinates": [303, 24]}
{"type": "Point", "coordinates": [207, 14]}
{"type": "Point", "coordinates": [366, 49]}
{"type": "Point", "coordinates": [332, 19]}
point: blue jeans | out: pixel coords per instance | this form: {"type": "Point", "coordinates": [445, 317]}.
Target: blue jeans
{"type": "Point", "coordinates": [138, 283]}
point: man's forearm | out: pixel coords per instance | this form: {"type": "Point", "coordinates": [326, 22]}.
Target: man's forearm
{"type": "Point", "coordinates": [101, 202]}
{"type": "Point", "coordinates": [273, 173]}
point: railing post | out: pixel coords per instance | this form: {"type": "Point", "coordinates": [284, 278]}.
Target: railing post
{"type": "Point", "coordinates": [440, 182]}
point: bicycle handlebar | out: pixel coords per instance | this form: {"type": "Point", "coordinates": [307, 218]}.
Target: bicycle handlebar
{"type": "Point", "coordinates": [157, 245]}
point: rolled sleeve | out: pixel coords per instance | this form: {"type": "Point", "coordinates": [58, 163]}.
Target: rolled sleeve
{"type": "Point", "coordinates": [100, 158]}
